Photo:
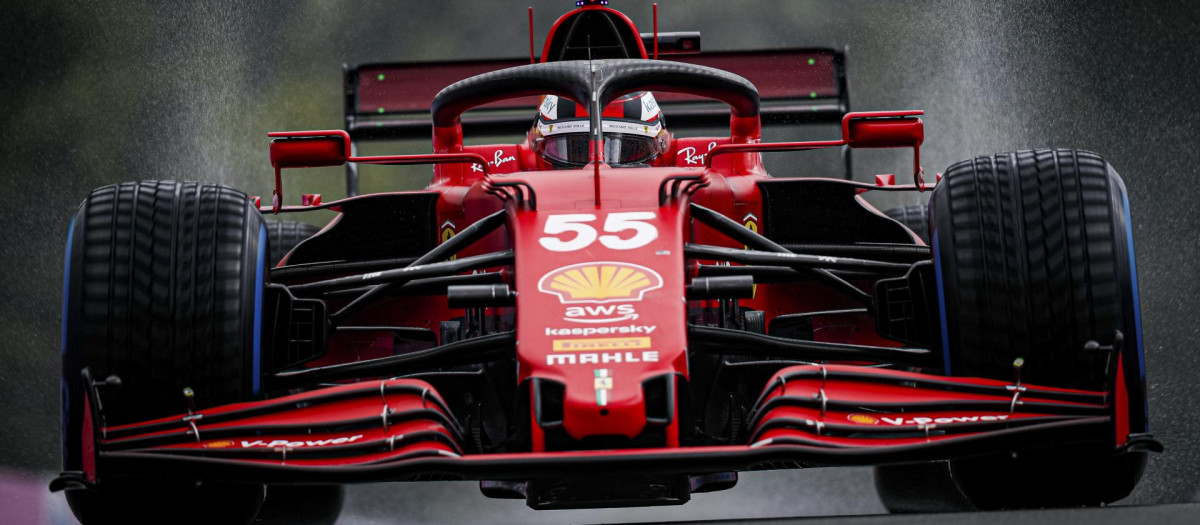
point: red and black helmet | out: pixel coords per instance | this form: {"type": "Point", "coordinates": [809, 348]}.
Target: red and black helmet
{"type": "Point", "coordinates": [634, 131]}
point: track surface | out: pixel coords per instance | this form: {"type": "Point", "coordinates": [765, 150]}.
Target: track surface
{"type": "Point", "coordinates": [1159, 514]}
{"type": "Point", "coordinates": [836, 496]}
{"type": "Point", "coordinates": [816, 496]}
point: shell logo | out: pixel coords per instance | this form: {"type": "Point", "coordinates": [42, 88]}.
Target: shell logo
{"type": "Point", "coordinates": [219, 444]}
{"type": "Point", "coordinates": [863, 419]}
{"type": "Point", "coordinates": [600, 282]}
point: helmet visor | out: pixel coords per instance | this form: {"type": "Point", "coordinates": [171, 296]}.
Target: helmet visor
{"type": "Point", "coordinates": [620, 149]}
{"type": "Point", "coordinates": [565, 151]}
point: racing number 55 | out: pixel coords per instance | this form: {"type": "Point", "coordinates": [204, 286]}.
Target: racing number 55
{"type": "Point", "coordinates": [585, 234]}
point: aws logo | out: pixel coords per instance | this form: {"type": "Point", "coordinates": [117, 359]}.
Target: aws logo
{"type": "Point", "coordinates": [600, 282]}
{"type": "Point", "coordinates": [601, 313]}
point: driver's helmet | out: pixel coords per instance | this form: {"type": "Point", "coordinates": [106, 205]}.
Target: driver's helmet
{"type": "Point", "coordinates": [634, 131]}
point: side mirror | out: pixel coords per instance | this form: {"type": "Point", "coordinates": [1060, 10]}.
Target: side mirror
{"type": "Point", "coordinates": [309, 149]}
{"type": "Point", "coordinates": [305, 149]}
{"type": "Point", "coordinates": [316, 149]}
{"type": "Point", "coordinates": [887, 129]}
{"type": "Point", "coordinates": [884, 129]}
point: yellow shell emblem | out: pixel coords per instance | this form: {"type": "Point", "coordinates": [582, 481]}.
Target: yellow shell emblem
{"type": "Point", "coordinates": [863, 419]}
{"type": "Point", "coordinates": [600, 282]}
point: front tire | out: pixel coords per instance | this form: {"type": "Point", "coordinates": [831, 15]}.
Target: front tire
{"type": "Point", "coordinates": [1055, 477]}
{"type": "Point", "coordinates": [139, 502]}
{"type": "Point", "coordinates": [919, 488]}
{"type": "Point", "coordinates": [302, 505]}
{"type": "Point", "coordinates": [1034, 261]}
{"type": "Point", "coordinates": [164, 286]}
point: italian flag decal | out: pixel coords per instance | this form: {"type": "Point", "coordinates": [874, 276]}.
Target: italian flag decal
{"type": "Point", "coordinates": [603, 385]}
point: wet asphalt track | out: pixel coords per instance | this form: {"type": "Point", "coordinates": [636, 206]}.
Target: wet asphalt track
{"type": "Point", "coordinates": [1124, 515]}
{"type": "Point", "coordinates": [814, 496]}
{"type": "Point", "coordinates": [817, 496]}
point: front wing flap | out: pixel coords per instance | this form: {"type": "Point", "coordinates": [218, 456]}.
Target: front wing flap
{"type": "Point", "coordinates": [400, 429]}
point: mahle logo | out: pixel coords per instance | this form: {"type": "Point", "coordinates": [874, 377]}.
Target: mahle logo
{"type": "Point", "coordinates": [600, 282]}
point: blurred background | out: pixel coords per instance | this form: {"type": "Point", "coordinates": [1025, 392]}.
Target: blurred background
{"type": "Point", "coordinates": [99, 93]}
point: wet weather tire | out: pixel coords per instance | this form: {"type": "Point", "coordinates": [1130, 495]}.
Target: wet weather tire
{"type": "Point", "coordinates": [137, 502]}
{"type": "Point", "coordinates": [284, 235]}
{"type": "Point", "coordinates": [914, 217]}
{"type": "Point", "coordinates": [1067, 476]}
{"type": "Point", "coordinates": [163, 287]}
{"type": "Point", "coordinates": [919, 488]}
{"type": "Point", "coordinates": [302, 505]}
{"type": "Point", "coordinates": [1034, 260]}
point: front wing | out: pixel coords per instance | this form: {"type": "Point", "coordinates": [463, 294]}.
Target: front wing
{"type": "Point", "coordinates": [400, 429]}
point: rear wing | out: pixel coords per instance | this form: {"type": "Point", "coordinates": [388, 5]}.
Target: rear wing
{"type": "Point", "coordinates": [390, 101]}
{"type": "Point", "coordinates": [797, 86]}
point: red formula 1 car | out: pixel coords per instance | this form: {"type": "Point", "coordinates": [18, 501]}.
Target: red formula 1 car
{"type": "Point", "coordinates": [607, 313]}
